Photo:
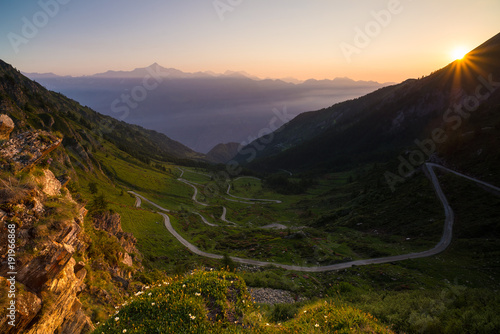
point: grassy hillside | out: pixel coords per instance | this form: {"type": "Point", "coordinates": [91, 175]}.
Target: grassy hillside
{"type": "Point", "coordinates": [218, 302]}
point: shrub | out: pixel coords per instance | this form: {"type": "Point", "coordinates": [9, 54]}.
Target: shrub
{"type": "Point", "coordinates": [93, 187]}
{"type": "Point", "coordinates": [283, 312]}
{"type": "Point", "coordinates": [98, 204]}
{"type": "Point", "coordinates": [13, 190]}
{"type": "Point", "coordinates": [201, 302]}
{"type": "Point", "coordinates": [228, 263]}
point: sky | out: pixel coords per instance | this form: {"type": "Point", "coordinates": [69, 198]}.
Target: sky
{"type": "Point", "coordinates": [379, 40]}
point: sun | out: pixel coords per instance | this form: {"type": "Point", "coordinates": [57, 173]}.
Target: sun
{"type": "Point", "coordinates": [459, 53]}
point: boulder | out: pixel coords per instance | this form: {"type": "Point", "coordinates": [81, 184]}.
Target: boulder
{"type": "Point", "coordinates": [6, 127]}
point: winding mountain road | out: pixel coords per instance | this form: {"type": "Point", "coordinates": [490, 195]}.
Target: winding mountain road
{"type": "Point", "coordinates": [223, 217]}
{"type": "Point", "coordinates": [138, 201]}
{"type": "Point", "coordinates": [487, 185]}
{"type": "Point", "coordinates": [204, 220]}
{"type": "Point", "coordinates": [193, 185]}
{"type": "Point", "coordinates": [183, 241]}
{"type": "Point", "coordinates": [195, 191]}
{"type": "Point", "coordinates": [441, 246]}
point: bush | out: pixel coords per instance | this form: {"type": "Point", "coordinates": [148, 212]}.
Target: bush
{"type": "Point", "coordinates": [98, 204]}
{"type": "Point", "coordinates": [93, 188]}
{"type": "Point", "coordinates": [13, 190]}
{"type": "Point", "coordinates": [283, 185]}
{"type": "Point", "coordinates": [228, 263]}
{"type": "Point", "coordinates": [452, 310]}
{"type": "Point", "coordinates": [202, 302]}
{"type": "Point", "coordinates": [283, 312]}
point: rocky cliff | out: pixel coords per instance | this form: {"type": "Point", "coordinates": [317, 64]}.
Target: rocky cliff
{"type": "Point", "coordinates": [48, 232]}
{"type": "Point", "coordinates": [44, 248]}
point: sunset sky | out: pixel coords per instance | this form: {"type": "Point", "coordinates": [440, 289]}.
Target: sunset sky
{"type": "Point", "coordinates": [266, 38]}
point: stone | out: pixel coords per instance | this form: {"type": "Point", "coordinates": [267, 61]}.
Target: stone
{"type": "Point", "coordinates": [64, 301]}
{"type": "Point", "coordinates": [127, 259]}
{"type": "Point", "coordinates": [273, 296]}
{"type": "Point", "coordinates": [6, 127]}
{"type": "Point", "coordinates": [27, 306]}
{"type": "Point", "coordinates": [45, 267]}
{"type": "Point", "coordinates": [28, 148]}
{"type": "Point", "coordinates": [76, 322]}
{"type": "Point", "coordinates": [49, 184]}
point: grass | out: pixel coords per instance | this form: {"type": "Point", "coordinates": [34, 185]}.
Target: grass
{"type": "Point", "coordinates": [194, 176]}
{"type": "Point", "coordinates": [350, 225]}
{"type": "Point", "coordinates": [357, 222]}
{"type": "Point", "coordinates": [344, 215]}
{"type": "Point", "coordinates": [155, 243]}
{"type": "Point", "coordinates": [218, 301]}
{"type": "Point", "coordinates": [360, 222]}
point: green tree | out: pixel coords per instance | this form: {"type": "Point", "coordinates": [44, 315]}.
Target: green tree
{"type": "Point", "coordinates": [98, 204]}
{"type": "Point", "coordinates": [228, 263]}
{"type": "Point", "coordinates": [93, 188]}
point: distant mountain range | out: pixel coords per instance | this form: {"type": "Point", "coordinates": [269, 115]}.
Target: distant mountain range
{"type": "Point", "coordinates": [85, 131]}
{"type": "Point", "coordinates": [201, 109]}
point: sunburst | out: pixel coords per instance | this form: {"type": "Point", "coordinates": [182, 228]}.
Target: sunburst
{"type": "Point", "coordinates": [459, 53]}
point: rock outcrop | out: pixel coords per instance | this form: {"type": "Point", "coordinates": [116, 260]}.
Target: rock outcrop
{"type": "Point", "coordinates": [48, 279]}
{"type": "Point", "coordinates": [6, 127]}
{"type": "Point", "coordinates": [111, 223]}
{"type": "Point", "coordinates": [49, 236]}
{"type": "Point", "coordinates": [28, 148]}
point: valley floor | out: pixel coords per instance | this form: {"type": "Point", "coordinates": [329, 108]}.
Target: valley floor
{"type": "Point", "coordinates": [441, 246]}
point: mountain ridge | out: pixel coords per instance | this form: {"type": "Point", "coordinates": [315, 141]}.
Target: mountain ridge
{"type": "Point", "coordinates": [380, 124]}
{"type": "Point", "coordinates": [200, 111]}
{"type": "Point", "coordinates": [176, 73]}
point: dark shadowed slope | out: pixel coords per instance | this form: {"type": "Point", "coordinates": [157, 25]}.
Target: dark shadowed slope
{"type": "Point", "coordinates": [376, 126]}
{"type": "Point", "coordinates": [222, 153]}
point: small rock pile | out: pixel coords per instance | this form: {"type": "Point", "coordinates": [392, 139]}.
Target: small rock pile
{"type": "Point", "coordinates": [272, 296]}
{"type": "Point", "coordinates": [26, 149]}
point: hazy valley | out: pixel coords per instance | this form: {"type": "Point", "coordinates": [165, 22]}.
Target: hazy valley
{"type": "Point", "coordinates": [202, 110]}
